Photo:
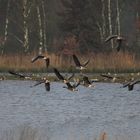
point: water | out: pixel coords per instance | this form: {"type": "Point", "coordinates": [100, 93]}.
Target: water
{"type": "Point", "coordinates": [34, 114]}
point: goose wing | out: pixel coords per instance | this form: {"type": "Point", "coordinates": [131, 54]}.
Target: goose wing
{"type": "Point", "coordinates": [59, 76]}
{"type": "Point", "coordinates": [110, 37]}
{"type": "Point", "coordinates": [76, 61]}
{"type": "Point", "coordinates": [17, 74]}
{"type": "Point", "coordinates": [38, 83]}
{"type": "Point", "coordinates": [135, 82]}
{"type": "Point", "coordinates": [86, 63]}
{"type": "Point", "coordinates": [106, 76]}
{"type": "Point", "coordinates": [126, 84]}
{"type": "Point", "coordinates": [76, 84]}
{"type": "Point", "coordinates": [71, 76]}
{"type": "Point", "coordinates": [36, 58]}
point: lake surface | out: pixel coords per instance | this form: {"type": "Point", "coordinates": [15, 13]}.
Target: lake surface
{"type": "Point", "coordinates": [34, 114]}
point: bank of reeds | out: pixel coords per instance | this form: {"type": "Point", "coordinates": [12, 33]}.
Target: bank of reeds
{"type": "Point", "coordinates": [100, 62]}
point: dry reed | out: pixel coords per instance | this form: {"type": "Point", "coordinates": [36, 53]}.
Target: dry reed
{"type": "Point", "coordinates": [115, 62]}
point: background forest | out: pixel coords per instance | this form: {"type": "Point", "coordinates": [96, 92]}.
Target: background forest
{"type": "Point", "coordinates": [68, 26]}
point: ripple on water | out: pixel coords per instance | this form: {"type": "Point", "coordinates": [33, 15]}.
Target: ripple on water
{"type": "Point", "coordinates": [62, 114]}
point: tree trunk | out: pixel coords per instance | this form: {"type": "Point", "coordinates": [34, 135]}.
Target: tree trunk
{"type": "Point", "coordinates": [44, 26]}
{"type": "Point", "coordinates": [40, 28]}
{"type": "Point", "coordinates": [110, 21]}
{"type": "Point", "coordinates": [6, 27]}
{"type": "Point", "coordinates": [103, 19]}
{"type": "Point", "coordinates": [118, 18]}
{"type": "Point", "coordinates": [26, 12]}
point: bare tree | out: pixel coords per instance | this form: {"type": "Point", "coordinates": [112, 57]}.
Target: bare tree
{"type": "Point", "coordinates": [26, 13]}
{"type": "Point", "coordinates": [103, 19]}
{"type": "Point", "coordinates": [44, 25]}
{"type": "Point", "coordinates": [118, 18]}
{"type": "Point", "coordinates": [110, 21]}
{"type": "Point", "coordinates": [6, 27]}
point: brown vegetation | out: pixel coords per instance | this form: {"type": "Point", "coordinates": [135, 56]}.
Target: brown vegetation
{"type": "Point", "coordinates": [101, 62]}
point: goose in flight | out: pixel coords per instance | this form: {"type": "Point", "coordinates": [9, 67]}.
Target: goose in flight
{"type": "Point", "coordinates": [2, 78]}
{"type": "Point", "coordinates": [47, 60]}
{"type": "Point", "coordinates": [71, 87]}
{"type": "Point", "coordinates": [119, 40]}
{"type": "Point", "coordinates": [20, 75]}
{"type": "Point", "coordinates": [131, 84]}
{"type": "Point", "coordinates": [45, 81]}
{"type": "Point", "coordinates": [87, 82]}
{"type": "Point", "coordinates": [78, 64]}
{"type": "Point", "coordinates": [60, 77]}
{"type": "Point", "coordinates": [112, 78]}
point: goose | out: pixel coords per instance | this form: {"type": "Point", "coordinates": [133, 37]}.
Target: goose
{"type": "Point", "coordinates": [60, 77]}
{"type": "Point", "coordinates": [71, 87]}
{"type": "Point", "coordinates": [2, 78]}
{"type": "Point", "coordinates": [45, 81]}
{"type": "Point", "coordinates": [113, 78]}
{"type": "Point", "coordinates": [131, 84]}
{"type": "Point", "coordinates": [119, 40]}
{"type": "Point", "coordinates": [20, 75]}
{"type": "Point", "coordinates": [87, 82]}
{"type": "Point", "coordinates": [78, 64]}
{"type": "Point", "coordinates": [47, 60]}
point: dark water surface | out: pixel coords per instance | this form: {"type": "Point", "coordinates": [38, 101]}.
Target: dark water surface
{"type": "Point", "coordinates": [34, 114]}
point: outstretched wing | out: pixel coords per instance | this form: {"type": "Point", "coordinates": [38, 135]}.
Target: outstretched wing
{"type": "Point", "coordinates": [59, 76]}
{"type": "Point", "coordinates": [71, 76]}
{"type": "Point", "coordinates": [126, 84]}
{"type": "Point", "coordinates": [135, 82]}
{"type": "Point", "coordinates": [76, 61]}
{"type": "Point", "coordinates": [17, 74]}
{"type": "Point", "coordinates": [86, 63]}
{"type": "Point", "coordinates": [36, 58]}
{"type": "Point", "coordinates": [76, 84]}
{"type": "Point", "coordinates": [110, 37]}
{"type": "Point", "coordinates": [38, 83]}
{"type": "Point", "coordinates": [106, 76]}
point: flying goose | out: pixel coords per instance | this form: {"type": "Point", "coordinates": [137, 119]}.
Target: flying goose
{"type": "Point", "coordinates": [2, 78]}
{"type": "Point", "coordinates": [130, 84]}
{"type": "Point", "coordinates": [119, 40]}
{"type": "Point", "coordinates": [60, 77]}
{"type": "Point", "coordinates": [78, 64]}
{"type": "Point", "coordinates": [113, 78]}
{"type": "Point", "coordinates": [47, 83]}
{"type": "Point", "coordinates": [87, 82]}
{"type": "Point", "coordinates": [71, 87]}
{"type": "Point", "coordinates": [20, 75]}
{"type": "Point", "coordinates": [47, 60]}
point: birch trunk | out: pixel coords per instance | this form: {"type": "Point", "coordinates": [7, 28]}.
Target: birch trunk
{"type": "Point", "coordinates": [100, 31]}
{"type": "Point", "coordinates": [118, 19]}
{"type": "Point", "coordinates": [6, 27]}
{"type": "Point", "coordinates": [44, 26]}
{"type": "Point", "coordinates": [26, 12]}
{"type": "Point", "coordinates": [103, 19]}
{"type": "Point", "coordinates": [40, 28]}
{"type": "Point", "coordinates": [110, 21]}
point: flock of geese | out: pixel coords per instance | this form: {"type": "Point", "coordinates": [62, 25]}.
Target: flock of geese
{"type": "Point", "coordinates": [84, 79]}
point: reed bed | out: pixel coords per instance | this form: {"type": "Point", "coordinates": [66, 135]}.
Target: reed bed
{"type": "Point", "coordinates": [100, 62]}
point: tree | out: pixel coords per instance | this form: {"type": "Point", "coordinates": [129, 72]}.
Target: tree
{"type": "Point", "coordinates": [77, 19]}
